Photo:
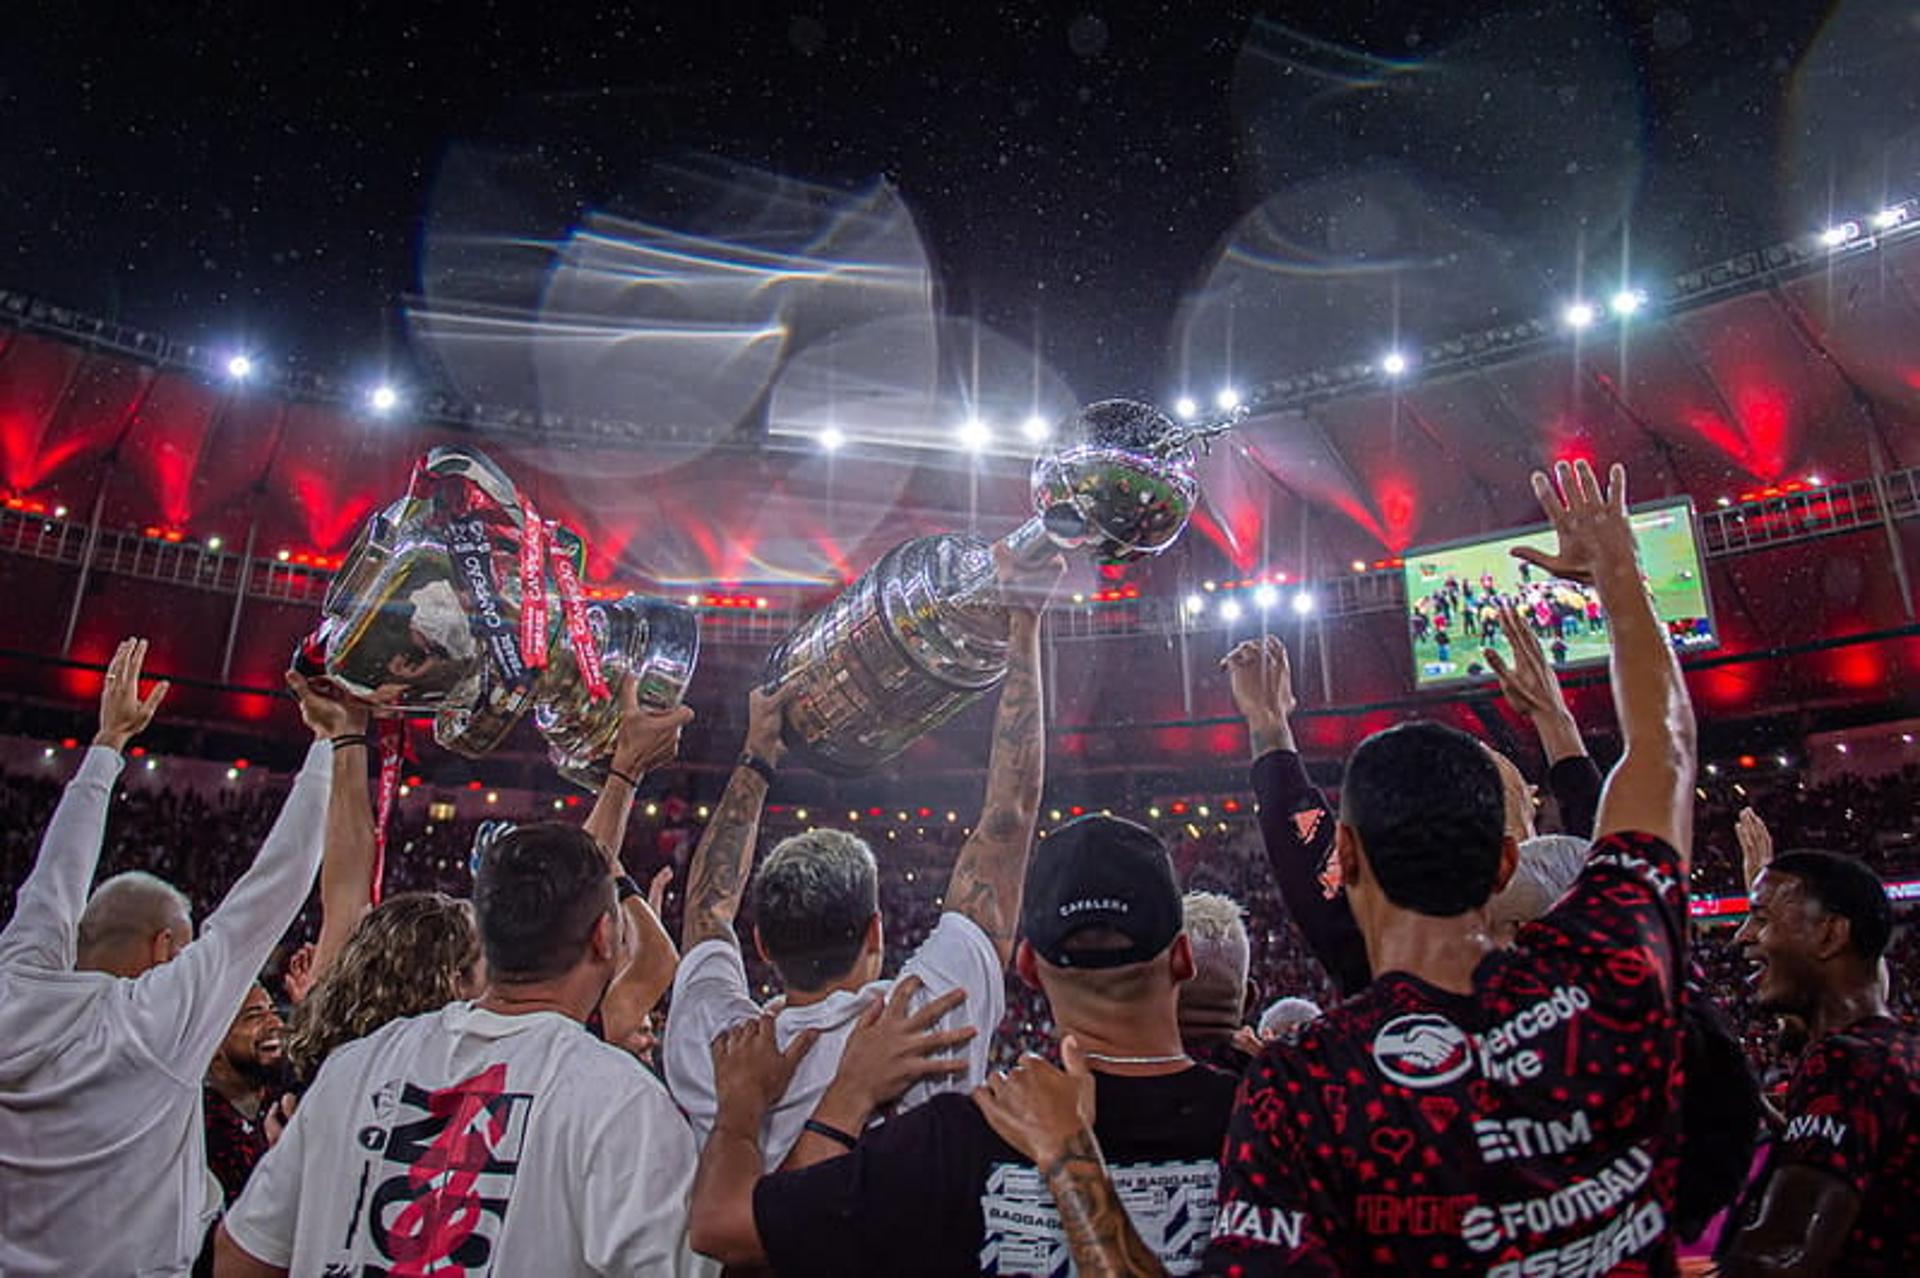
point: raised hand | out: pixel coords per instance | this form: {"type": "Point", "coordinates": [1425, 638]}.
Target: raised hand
{"type": "Point", "coordinates": [1040, 1109]}
{"type": "Point", "coordinates": [1528, 684]}
{"type": "Point", "coordinates": [657, 890]}
{"type": "Point", "coordinates": [1024, 585]}
{"type": "Point", "coordinates": [751, 1073]}
{"type": "Point", "coordinates": [648, 738]}
{"type": "Point", "coordinates": [1756, 844]}
{"type": "Point", "coordinates": [124, 713]}
{"type": "Point", "coordinates": [767, 722]}
{"type": "Point", "coordinates": [1591, 525]}
{"type": "Point", "coordinates": [892, 1047]}
{"type": "Point", "coordinates": [1260, 675]}
{"type": "Point", "coordinates": [326, 716]}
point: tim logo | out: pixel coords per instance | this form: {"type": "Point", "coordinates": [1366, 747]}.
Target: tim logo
{"type": "Point", "coordinates": [444, 1176]}
{"type": "Point", "coordinates": [1422, 1050]}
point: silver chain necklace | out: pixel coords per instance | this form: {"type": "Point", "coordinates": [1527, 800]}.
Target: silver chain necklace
{"type": "Point", "coordinates": [1139, 1060]}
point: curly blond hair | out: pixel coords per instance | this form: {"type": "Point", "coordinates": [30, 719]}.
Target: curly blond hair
{"type": "Point", "coordinates": [412, 953]}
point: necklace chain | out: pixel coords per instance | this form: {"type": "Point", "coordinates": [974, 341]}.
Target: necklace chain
{"type": "Point", "coordinates": [1138, 1060]}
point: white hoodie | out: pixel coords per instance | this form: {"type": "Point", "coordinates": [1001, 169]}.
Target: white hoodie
{"type": "Point", "coordinates": [103, 1165]}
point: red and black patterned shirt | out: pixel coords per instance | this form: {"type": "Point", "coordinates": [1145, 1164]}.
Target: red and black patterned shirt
{"type": "Point", "coordinates": [234, 1142]}
{"type": "Point", "coordinates": [1850, 1113]}
{"type": "Point", "coordinates": [1528, 1128]}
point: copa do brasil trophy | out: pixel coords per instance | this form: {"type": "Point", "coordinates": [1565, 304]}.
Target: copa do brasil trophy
{"type": "Point", "coordinates": [923, 633]}
{"type": "Point", "coordinates": [458, 600]}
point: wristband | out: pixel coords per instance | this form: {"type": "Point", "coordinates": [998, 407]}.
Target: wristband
{"type": "Point", "coordinates": [626, 887]}
{"type": "Point", "coordinates": [748, 759]}
{"type": "Point", "coordinates": [633, 783]}
{"type": "Point", "coordinates": [351, 739]}
{"type": "Point", "coordinates": [833, 1134]}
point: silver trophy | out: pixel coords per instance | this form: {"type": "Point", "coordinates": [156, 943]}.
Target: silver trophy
{"type": "Point", "coordinates": [923, 634]}
{"type": "Point", "coordinates": [425, 616]}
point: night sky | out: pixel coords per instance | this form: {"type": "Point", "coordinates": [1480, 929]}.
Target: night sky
{"type": "Point", "coordinates": [272, 170]}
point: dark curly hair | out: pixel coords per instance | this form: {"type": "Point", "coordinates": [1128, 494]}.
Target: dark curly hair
{"type": "Point", "coordinates": [413, 953]}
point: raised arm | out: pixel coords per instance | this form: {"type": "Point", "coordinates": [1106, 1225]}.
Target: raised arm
{"type": "Point", "coordinates": [1533, 690]}
{"type": "Point", "coordinates": [1651, 788]}
{"type": "Point", "coordinates": [647, 739]}
{"type": "Point", "coordinates": [44, 930]}
{"type": "Point", "coordinates": [717, 879]}
{"type": "Point", "coordinates": [992, 867]}
{"type": "Point", "coordinates": [346, 866]}
{"type": "Point", "coordinates": [1296, 826]}
{"type": "Point", "coordinates": [186, 1006]}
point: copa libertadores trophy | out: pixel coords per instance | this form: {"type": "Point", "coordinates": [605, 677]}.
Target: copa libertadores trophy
{"type": "Point", "coordinates": [460, 601]}
{"type": "Point", "coordinates": [923, 634]}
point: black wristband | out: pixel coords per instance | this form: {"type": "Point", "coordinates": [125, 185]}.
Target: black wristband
{"type": "Point", "coordinates": [351, 739]}
{"type": "Point", "coordinates": [748, 759]}
{"type": "Point", "coordinates": [626, 887]}
{"type": "Point", "coordinates": [833, 1134]}
{"type": "Point", "coordinates": [633, 783]}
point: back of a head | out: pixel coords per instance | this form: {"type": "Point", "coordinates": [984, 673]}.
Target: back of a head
{"type": "Point", "coordinates": [1101, 908]}
{"type": "Point", "coordinates": [537, 894]}
{"type": "Point", "coordinates": [1217, 928]}
{"type": "Point", "coordinates": [813, 899]}
{"type": "Point", "coordinates": [123, 915]}
{"type": "Point", "coordinates": [1843, 886]}
{"type": "Point", "coordinates": [1548, 866]}
{"type": "Point", "coordinates": [409, 955]}
{"type": "Point", "coordinates": [1427, 804]}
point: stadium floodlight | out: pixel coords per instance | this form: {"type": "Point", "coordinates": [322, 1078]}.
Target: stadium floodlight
{"type": "Point", "coordinates": [831, 439]}
{"type": "Point", "coordinates": [1840, 234]}
{"type": "Point", "coordinates": [1229, 610]}
{"type": "Point", "coordinates": [975, 434]}
{"type": "Point", "coordinates": [1266, 596]}
{"type": "Point", "coordinates": [1888, 218]}
{"type": "Point", "coordinates": [1628, 301]}
{"type": "Point", "coordinates": [1195, 605]}
{"type": "Point", "coordinates": [240, 367]}
{"type": "Point", "coordinates": [1227, 400]}
{"type": "Point", "coordinates": [1037, 428]}
{"type": "Point", "coordinates": [1186, 408]}
{"type": "Point", "coordinates": [1394, 363]}
{"type": "Point", "coordinates": [1303, 603]}
{"type": "Point", "coordinates": [1579, 315]}
{"type": "Point", "coordinates": [383, 398]}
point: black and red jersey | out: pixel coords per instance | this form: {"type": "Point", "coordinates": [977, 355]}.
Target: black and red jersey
{"type": "Point", "coordinates": [1527, 1128]}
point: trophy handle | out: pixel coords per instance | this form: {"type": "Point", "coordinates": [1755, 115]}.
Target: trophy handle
{"type": "Point", "coordinates": [1046, 534]}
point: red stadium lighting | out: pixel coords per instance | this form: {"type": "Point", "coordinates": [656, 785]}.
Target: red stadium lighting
{"type": "Point", "coordinates": [1747, 761]}
{"type": "Point", "coordinates": [473, 785]}
{"type": "Point", "coordinates": [69, 743]}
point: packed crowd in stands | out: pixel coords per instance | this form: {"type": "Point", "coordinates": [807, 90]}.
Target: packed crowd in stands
{"type": "Point", "coordinates": [1415, 1030]}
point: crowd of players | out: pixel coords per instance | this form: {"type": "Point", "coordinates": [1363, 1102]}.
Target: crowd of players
{"type": "Point", "coordinates": [1509, 1059]}
{"type": "Point", "coordinates": [1477, 613]}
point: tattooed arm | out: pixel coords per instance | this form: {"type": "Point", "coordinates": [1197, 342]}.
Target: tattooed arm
{"type": "Point", "coordinates": [718, 877]}
{"type": "Point", "coordinates": [992, 866]}
{"type": "Point", "coordinates": [1047, 1114]}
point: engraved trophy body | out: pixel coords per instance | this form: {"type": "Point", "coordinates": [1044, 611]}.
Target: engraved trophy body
{"type": "Point", "coordinates": [922, 634]}
{"type": "Point", "coordinates": [459, 601]}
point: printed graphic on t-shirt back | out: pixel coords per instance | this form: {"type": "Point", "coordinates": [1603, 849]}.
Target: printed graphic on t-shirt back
{"type": "Point", "coordinates": [1171, 1204]}
{"type": "Point", "coordinates": [433, 1194]}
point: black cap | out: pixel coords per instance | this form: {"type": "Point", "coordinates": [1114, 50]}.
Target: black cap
{"type": "Point", "coordinates": [1844, 886]}
{"type": "Point", "coordinates": [1100, 871]}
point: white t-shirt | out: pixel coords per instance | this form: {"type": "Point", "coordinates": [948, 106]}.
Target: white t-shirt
{"type": "Point", "coordinates": [466, 1142]}
{"type": "Point", "coordinates": [710, 995]}
{"type": "Point", "coordinates": [103, 1165]}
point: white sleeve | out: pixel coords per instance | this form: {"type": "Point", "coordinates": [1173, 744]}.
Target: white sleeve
{"type": "Point", "coordinates": [959, 955]}
{"type": "Point", "coordinates": [265, 1218]}
{"type": "Point", "coordinates": [184, 1008]}
{"type": "Point", "coordinates": [46, 914]}
{"type": "Point", "coordinates": [710, 995]}
{"type": "Point", "coordinates": [633, 1191]}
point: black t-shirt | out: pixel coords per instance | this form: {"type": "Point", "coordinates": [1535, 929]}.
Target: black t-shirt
{"type": "Point", "coordinates": [1527, 1128]}
{"type": "Point", "coordinates": [935, 1191]}
{"type": "Point", "coordinates": [1851, 1112]}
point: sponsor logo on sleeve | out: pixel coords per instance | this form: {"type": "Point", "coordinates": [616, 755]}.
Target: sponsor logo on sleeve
{"type": "Point", "coordinates": [1270, 1226]}
{"type": "Point", "coordinates": [1422, 1050]}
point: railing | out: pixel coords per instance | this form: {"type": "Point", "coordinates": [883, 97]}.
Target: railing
{"type": "Point", "coordinates": [1765, 522]}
